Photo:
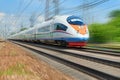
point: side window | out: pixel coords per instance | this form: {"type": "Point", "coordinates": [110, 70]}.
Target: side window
{"type": "Point", "coordinates": [30, 32]}
{"type": "Point", "coordinates": [40, 30]}
{"type": "Point", "coordinates": [44, 29]}
{"type": "Point", "coordinates": [59, 26]}
{"type": "Point", "coordinates": [47, 28]}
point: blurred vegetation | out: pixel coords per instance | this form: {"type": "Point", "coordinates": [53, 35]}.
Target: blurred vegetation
{"type": "Point", "coordinates": [108, 32]}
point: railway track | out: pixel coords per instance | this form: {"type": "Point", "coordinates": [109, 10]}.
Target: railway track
{"type": "Point", "coordinates": [101, 50]}
{"type": "Point", "coordinates": [99, 57]}
{"type": "Point", "coordinates": [104, 68]}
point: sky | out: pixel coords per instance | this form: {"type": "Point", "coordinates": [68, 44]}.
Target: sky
{"type": "Point", "coordinates": [14, 13]}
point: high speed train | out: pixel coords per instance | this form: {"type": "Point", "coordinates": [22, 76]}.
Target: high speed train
{"type": "Point", "coordinates": [66, 30]}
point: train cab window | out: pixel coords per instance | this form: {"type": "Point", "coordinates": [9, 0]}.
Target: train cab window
{"type": "Point", "coordinates": [60, 27]}
{"type": "Point", "coordinates": [75, 20]}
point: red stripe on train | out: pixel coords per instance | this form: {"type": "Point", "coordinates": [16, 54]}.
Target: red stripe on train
{"type": "Point", "coordinates": [76, 44]}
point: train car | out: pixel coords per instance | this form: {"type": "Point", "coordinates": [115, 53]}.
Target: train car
{"type": "Point", "coordinates": [62, 30]}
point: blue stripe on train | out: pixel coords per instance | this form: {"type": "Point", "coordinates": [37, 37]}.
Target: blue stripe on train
{"type": "Point", "coordinates": [72, 39]}
{"type": "Point", "coordinates": [69, 39]}
{"type": "Point", "coordinates": [76, 39]}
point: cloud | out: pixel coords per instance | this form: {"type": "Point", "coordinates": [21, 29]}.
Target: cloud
{"type": "Point", "coordinates": [2, 15]}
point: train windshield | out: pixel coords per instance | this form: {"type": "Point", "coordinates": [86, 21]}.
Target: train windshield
{"type": "Point", "coordinates": [75, 20]}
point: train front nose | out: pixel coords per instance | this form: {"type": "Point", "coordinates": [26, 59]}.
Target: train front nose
{"type": "Point", "coordinates": [81, 34]}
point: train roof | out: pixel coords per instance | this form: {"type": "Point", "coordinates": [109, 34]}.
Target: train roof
{"type": "Point", "coordinates": [55, 19]}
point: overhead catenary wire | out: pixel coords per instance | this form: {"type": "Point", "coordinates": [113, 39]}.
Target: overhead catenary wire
{"type": "Point", "coordinates": [91, 5]}
{"type": "Point", "coordinates": [22, 11]}
{"type": "Point", "coordinates": [51, 9]}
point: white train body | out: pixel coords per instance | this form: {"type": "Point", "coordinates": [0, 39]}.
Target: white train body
{"type": "Point", "coordinates": [63, 30]}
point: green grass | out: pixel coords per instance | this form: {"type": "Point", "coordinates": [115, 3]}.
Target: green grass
{"type": "Point", "coordinates": [18, 69]}
{"type": "Point", "coordinates": [13, 53]}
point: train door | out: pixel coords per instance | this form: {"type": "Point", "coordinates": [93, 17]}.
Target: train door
{"type": "Point", "coordinates": [35, 32]}
{"type": "Point", "coordinates": [51, 31]}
